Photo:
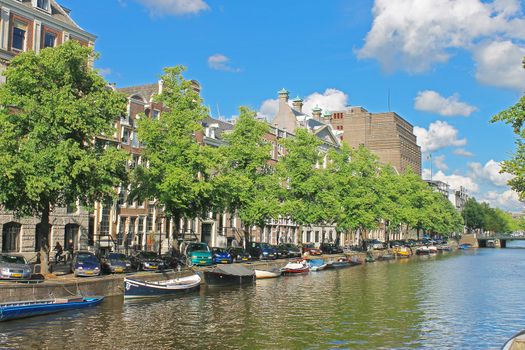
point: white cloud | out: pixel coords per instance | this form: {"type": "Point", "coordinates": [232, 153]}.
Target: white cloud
{"type": "Point", "coordinates": [499, 64]}
{"type": "Point", "coordinates": [506, 200]}
{"type": "Point", "coordinates": [439, 161]}
{"type": "Point", "coordinates": [330, 100]}
{"type": "Point", "coordinates": [221, 62]}
{"type": "Point", "coordinates": [463, 152]}
{"type": "Point", "coordinates": [175, 7]}
{"type": "Point", "coordinates": [416, 34]}
{"type": "Point", "coordinates": [454, 180]}
{"type": "Point", "coordinates": [104, 71]}
{"type": "Point", "coordinates": [432, 101]}
{"type": "Point", "coordinates": [268, 109]}
{"type": "Point", "coordinates": [439, 135]}
{"type": "Point", "coordinates": [490, 172]}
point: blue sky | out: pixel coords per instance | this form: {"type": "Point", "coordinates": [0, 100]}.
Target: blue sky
{"type": "Point", "coordinates": [449, 64]}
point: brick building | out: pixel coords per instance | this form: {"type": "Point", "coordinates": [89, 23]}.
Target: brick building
{"type": "Point", "coordinates": [34, 25]}
{"type": "Point", "coordinates": [386, 134]}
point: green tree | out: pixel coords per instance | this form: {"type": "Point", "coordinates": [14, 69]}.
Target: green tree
{"type": "Point", "coordinates": [304, 180]}
{"type": "Point", "coordinates": [176, 170]}
{"type": "Point", "coordinates": [52, 109]}
{"type": "Point", "coordinates": [473, 215]}
{"type": "Point", "coordinates": [245, 182]}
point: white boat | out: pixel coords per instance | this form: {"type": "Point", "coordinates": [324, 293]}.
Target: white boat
{"type": "Point", "coordinates": [141, 289]}
{"type": "Point", "coordinates": [295, 267]}
{"type": "Point", "coordinates": [261, 274]}
{"type": "Point", "coordinates": [432, 249]}
{"type": "Point", "coordinates": [317, 264]}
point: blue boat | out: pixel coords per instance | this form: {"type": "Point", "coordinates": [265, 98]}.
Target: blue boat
{"type": "Point", "coordinates": [23, 309]}
{"type": "Point", "coordinates": [465, 246]}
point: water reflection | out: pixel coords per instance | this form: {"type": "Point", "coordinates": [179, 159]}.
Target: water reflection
{"type": "Point", "coordinates": [465, 300]}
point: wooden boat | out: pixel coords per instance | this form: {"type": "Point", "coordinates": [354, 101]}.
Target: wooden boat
{"type": "Point", "coordinates": [262, 274]}
{"type": "Point", "coordinates": [386, 256]}
{"type": "Point", "coordinates": [144, 289]}
{"type": "Point", "coordinates": [316, 265]}
{"type": "Point", "coordinates": [225, 275]}
{"type": "Point", "coordinates": [516, 342]}
{"type": "Point", "coordinates": [295, 268]}
{"type": "Point", "coordinates": [370, 259]}
{"type": "Point", "coordinates": [444, 248]}
{"type": "Point", "coordinates": [23, 309]}
{"type": "Point", "coordinates": [342, 263]}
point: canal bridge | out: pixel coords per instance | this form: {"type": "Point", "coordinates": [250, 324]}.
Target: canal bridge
{"type": "Point", "coordinates": [503, 239]}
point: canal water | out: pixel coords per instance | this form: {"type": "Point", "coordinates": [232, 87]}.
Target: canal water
{"type": "Point", "coordinates": [464, 300]}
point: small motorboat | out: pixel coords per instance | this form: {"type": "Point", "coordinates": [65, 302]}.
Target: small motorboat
{"type": "Point", "coordinates": [386, 257]}
{"type": "Point", "coordinates": [444, 248]}
{"type": "Point", "coordinates": [432, 249]}
{"type": "Point", "coordinates": [262, 274]}
{"type": "Point", "coordinates": [23, 309]}
{"type": "Point", "coordinates": [227, 275]}
{"type": "Point", "coordinates": [142, 289]}
{"type": "Point", "coordinates": [402, 252]}
{"type": "Point", "coordinates": [423, 250]}
{"type": "Point", "coordinates": [342, 263]}
{"type": "Point", "coordinates": [465, 246]}
{"type": "Point", "coordinates": [370, 258]}
{"type": "Point", "coordinates": [316, 264]}
{"type": "Point", "coordinates": [295, 268]}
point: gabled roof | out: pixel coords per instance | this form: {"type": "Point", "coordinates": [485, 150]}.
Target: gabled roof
{"type": "Point", "coordinates": [145, 91]}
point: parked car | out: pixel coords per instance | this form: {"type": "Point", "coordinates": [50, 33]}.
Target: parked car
{"type": "Point", "coordinates": [293, 250]}
{"type": "Point", "coordinates": [85, 264]}
{"type": "Point", "coordinates": [239, 254]}
{"type": "Point", "coordinates": [330, 248]}
{"type": "Point", "coordinates": [14, 267]}
{"type": "Point", "coordinates": [262, 250]}
{"type": "Point", "coordinates": [147, 261]}
{"type": "Point", "coordinates": [311, 249]}
{"type": "Point", "coordinates": [116, 263]}
{"type": "Point", "coordinates": [282, 252]}
{"type": "Point", "coordinates": [375, 244]}
{"type": "Point", "coordinates": [221, 256]}
{"type": "Point", "coordinates": [198, 254]}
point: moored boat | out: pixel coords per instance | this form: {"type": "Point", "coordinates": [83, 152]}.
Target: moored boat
{"type": "Point", "coordinates": [295, 268]}
{"type": "Point", "coordinates": [517, 342]}
{"type": "Point", "coordinates": [423, 250]}
{"type": "Point", "coordinates": [444, 248]}
{"type": "Point", "coordinates": [432, 249]}
{"type": "Point", "coordinates": [342, 263]}
{"type": "Point", "coordinates": [225, 275]}
{"type": "Point", "coordinates": [402, 252]}
{"type": "Point", "coordinates": [262, 274]}
{"type": "Point", "coordinates": [465, 246]}
{"type": "Point", "coordinates": [386, 256]}
{"type": "Point", "coordinates": [23, 309]}
{"type": "Point", "coordinates": [316, 264]}
{"type": "Point", "coordinates": [143, 289]}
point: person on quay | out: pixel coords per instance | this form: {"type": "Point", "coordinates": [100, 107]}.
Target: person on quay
{"type": "Point", "coordinates": [58, 251]}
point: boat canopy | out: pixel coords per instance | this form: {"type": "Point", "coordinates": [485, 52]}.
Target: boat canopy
{"type": "Point", "coordinates": [235, 270]}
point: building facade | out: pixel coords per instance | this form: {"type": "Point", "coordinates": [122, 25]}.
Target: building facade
{"type": "Point", "coordinates": [32, 25]}
{"type": "Point", "coordinates": [387, 135]}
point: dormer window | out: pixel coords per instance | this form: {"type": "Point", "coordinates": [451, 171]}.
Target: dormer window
{"type": "Point", "coordinates": [43, 4]}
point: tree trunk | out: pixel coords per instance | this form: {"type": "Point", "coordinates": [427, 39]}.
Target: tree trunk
{"type": "Point", "coordinates": [44, 240]}
{"type": "Point", "coordinates": [418, 233]}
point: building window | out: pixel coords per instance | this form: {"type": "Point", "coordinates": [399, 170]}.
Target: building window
{"type": "Point", "coordinates": [10, 237]}
{"type": "Point", "coordinates": [122, 196]}
{"type": "Point", "coordinates": [71, 236]}
{"type": "Point", "coordinates": [71, 208]}
{"type": "Point", "coordinates": [43, 4]}
{"type": "Point", "coordinates": [125, 136]}
{"type": "Point", "coordinates": [19, 36]}
{"type": "Point", "coordinates": [149, 223]}
{"type": "Point", "coordinates": [49, 40]}
{"type": "Point", "coordinates": [104, 220]}
{"type": "Point", "coordinates": [155, 114]}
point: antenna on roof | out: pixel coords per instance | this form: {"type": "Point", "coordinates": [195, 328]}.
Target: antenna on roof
{"type": "Point", "coordinates": [209, 111]}
{"type": "Point", "coordinates": [389, 99]}
{"type": "Point", "coordinates": [218, 112]}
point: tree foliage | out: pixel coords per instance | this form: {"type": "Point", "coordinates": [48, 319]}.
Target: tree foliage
{"type": "Point", "coordinates": [176, 170]}
{"type": "Point", "coordinates": [53, 108]}
{"type": "Point", "coordinates": [480, 216]}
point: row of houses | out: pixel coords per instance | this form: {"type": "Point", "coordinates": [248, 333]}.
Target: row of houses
{"type": "Point", "coordinates": [126, 224]}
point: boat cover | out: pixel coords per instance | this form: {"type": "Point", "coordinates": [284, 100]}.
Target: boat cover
{"type": "Point", "coordinates": [235, 270]}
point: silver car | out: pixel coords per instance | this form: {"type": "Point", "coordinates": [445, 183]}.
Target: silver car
{"type": "Point", "coordinates": [14, 267]}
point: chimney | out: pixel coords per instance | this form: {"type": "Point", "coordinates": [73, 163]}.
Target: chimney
{"type": "Point", "coordinates": [283, 96]}
{"type": "Point", "coordinates": [161, 86]}
{"type": "Point", "coordinates": [316, 113]}
{"type": "Point", "coordinates": [297, 104]}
